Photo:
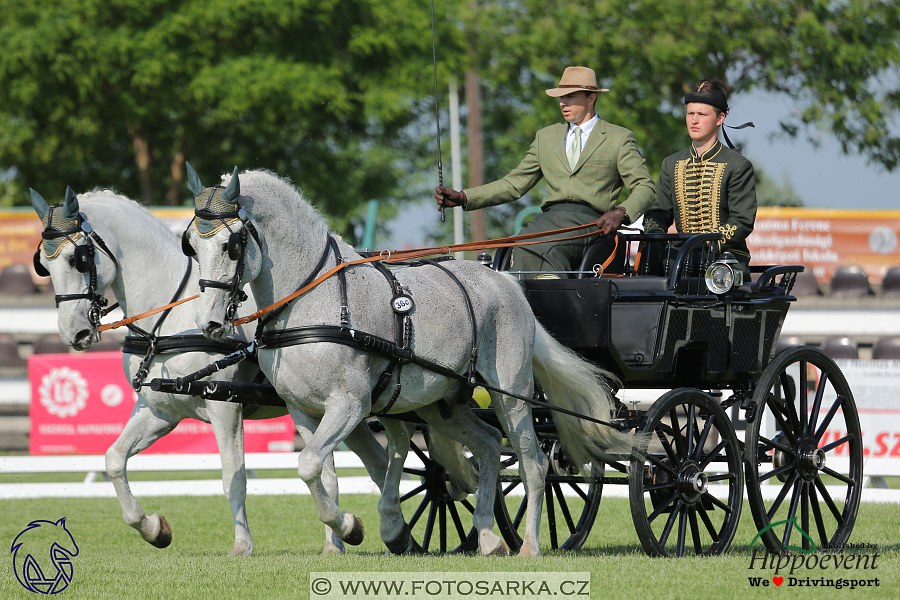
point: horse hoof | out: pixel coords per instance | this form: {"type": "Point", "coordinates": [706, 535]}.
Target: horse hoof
{"type": "Point", "coordinates": [355, 537]}
{"type": "Point", "coordinates": [501, 550]}
{"type": "Point", "coordinates": [404, 543]}
{"type": "Point", "coordinates": [241, 549]}
{"type": "Point", "coordinates": [333, 549]}
{"type": "Point", "coordinates": [164, 537]}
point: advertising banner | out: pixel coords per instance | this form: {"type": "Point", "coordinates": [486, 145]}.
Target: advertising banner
{"type": "Point", "coordinates": [876, 390]}
{"type": "Point", "coordinates": [81, 402]}
{"type": "Point", "coordinates": [825, 239]}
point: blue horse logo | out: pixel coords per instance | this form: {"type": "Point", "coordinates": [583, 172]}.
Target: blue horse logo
{"type": "Point", "coordinates": [40, 545]}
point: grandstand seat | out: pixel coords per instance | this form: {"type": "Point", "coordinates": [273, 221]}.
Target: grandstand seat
{"type": "Point", "coordinates": [16, 280]}
{"type": "Point", "coordinates": [788, 341]}
{"type": "Point", "coordinates": [890, 285]}
{"type": "Point", "coordinates": [9, 352]}
{"type": "Point", "coordinates": [850, 282]}
{"type": "Point", "coordinates": [806, 284]}
{"type": "Point", "coordinates": [50, 344]}
{"type": "Point", "coordinates": [887, 348]}
{"type": "Point", "coordinates": [840, 347]}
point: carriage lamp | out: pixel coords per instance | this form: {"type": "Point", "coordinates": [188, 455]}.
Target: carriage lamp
{"type": "Point", "coordinates": [721, 276]}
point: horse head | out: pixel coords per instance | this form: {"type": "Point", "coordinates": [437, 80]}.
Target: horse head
{"type": "Point", "coordinates": [226, 246]}
{"type": "Point", "coordinates": [79, 270]}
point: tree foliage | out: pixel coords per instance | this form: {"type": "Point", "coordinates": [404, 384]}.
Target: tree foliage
{"type": "Point", "coordinates": [120, 92]}
{"type": "Point", "coordinates": [338, 95]}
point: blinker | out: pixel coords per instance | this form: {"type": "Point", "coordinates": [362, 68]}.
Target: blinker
{"type": "Point", "coordinates": [235, 246]}
{"type": "Point", "coordinates": [84, 258]}
{"type": "Point", "coordinates": [186, 247]}
{"type": "Point", "coordinates": [38, 267]}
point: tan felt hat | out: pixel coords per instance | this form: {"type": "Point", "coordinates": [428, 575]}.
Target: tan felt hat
{"type": "Point", "coordinates": [576, 79]}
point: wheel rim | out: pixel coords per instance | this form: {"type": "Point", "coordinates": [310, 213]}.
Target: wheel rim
{"type": "Point", "coordinates": [571, 501]}
{"type": "Point", "coordinates": [810, 454]}
{"type": "Point", "coordinates": [439, 522]}
{"type": "Point", "coordinates": [686, 488]}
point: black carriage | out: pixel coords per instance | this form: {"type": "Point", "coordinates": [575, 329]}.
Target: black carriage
{"type": "Point", "coordinates": [715, 355]}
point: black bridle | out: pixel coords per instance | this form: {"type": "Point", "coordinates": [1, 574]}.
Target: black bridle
{"type": "Point", "coordinates": [85, 262]}
{"type": "Point", "coordinates": [237, 246]}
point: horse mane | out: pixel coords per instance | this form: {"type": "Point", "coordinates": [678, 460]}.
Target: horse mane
{"type": "Point", "coordinates": [267, 187]}
{"type": "Point", "coordinates": [111, 201]}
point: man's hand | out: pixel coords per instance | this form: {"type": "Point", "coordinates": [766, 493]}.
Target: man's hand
{"type": "Point", "coordinates": [612, 220]}
{"type": "Point", "coordinates": [447, 198]}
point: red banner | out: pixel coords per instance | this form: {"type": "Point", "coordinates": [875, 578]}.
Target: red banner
{"type": "Point", "coordinates": [825, 239]}
{"type": "Point", "coordinates": [81, 402]}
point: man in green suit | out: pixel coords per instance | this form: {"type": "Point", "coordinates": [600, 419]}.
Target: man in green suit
{"type": "Point", "coordinates": [585, 162]}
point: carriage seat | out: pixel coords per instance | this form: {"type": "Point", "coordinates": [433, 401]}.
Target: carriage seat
{"type": "Point", "coordinates": [597, 253]}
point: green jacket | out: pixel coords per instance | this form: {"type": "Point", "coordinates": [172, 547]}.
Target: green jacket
{"type": "Point", "coordinates": [725, 200]}
{"type": "Point", "coordinates": [609, 161]}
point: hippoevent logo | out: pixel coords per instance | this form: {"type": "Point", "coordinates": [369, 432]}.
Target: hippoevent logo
{"type": "Point", "coordinates": [42, 556]}
{"type": "Point", "coordinates": [837, 566]}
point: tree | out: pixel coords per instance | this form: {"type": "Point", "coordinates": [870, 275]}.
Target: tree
{"type": "Point", "coordinates": [120, 92]}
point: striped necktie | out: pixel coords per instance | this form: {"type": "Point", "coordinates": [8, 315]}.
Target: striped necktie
{"type": "Point", "coordinates": [575, 149]}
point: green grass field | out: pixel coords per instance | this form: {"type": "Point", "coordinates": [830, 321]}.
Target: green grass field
{"type": "Point", "coordinates": [115, 563]}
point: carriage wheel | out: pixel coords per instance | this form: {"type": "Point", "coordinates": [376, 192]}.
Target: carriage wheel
{"type": "Point", "coordinates": [686, 488]}
{"type": "Point", "coordinates": [805, 446]}
{"type": "Point", "coordinates": [571, 500]}
{"type": "Point", "coordinates": [438, 507]}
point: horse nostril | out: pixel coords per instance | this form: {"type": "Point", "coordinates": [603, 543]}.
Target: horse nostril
{"type": "Point", "coordinates": [83, 335]}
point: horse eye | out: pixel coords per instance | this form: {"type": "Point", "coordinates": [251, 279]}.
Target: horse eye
{"type": "Point", "coordinates": [71, 260]}
{"type": "Point", "coordinates": [224, 247]}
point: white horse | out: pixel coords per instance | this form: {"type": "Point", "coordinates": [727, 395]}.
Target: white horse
{"type": "Point", "coordinates": [482, 328]}
{"type": "Point", "coordinates": [147, 271]}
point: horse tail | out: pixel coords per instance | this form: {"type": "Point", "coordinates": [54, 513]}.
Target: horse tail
{"type": "Point", "coordinates": [572, 383]}
{"type": "Point", "coordinates": [450, 455]}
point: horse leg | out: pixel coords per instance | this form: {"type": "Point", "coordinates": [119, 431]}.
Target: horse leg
{"type": "Point", "coordinates": [394, 530]}
{"type": "Point", "coordinates": [306, 426]}
{"type": "Point", "coordinates": [484, 443]}
{"type": "Point", "coordinates": [515, 415]}
{"type": "Point", "coordinates": [227, 420]}
{"type": "Point", "coordinates": [362, 442]}
{"type": "Point", "coordinates": [142, 429]}
{"type": "Point", "coordinates": [337, 423]}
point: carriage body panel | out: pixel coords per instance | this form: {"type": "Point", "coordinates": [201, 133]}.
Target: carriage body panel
{"type": "Point", "coordinates": [651, 336]}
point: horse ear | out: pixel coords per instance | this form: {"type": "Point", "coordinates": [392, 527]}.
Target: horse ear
{"type": "Point", "coordinates": [40, 205]}
{"type": "Point", "coordinates": [233, 191]}
{"type": "Point", "coordinates": [70, 208]}
{"type": "Point", "coordinates": [193, 180]}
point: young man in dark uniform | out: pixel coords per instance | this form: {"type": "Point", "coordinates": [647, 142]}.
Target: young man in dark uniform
{"type": "Point", "coordinates": [707, 187]}
{"type": "Point", "coordinates": [585, 162]}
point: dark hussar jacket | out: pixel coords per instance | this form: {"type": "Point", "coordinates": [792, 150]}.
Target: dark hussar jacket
{"type": "Point", "coordinates": [715, 192]}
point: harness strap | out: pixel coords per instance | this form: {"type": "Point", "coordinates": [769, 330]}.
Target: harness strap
{"type": "Point", "coordinates": [176, 344]}
{"type": "Point", "coordinates": [152, 339]}
{"type": "Point", "coordinates": [401, 323]}
{"type": "Point", "coordinates": [473, 356]}
{"type": "Point", "coordinates": [376, 345]}
{"type": "Point", "coordinates": [329, 241]}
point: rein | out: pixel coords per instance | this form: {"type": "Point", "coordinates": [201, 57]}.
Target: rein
{"type": "Point", "coordinates": [422, 252]}
{"type": "Point", "coordinates": [392, 256]}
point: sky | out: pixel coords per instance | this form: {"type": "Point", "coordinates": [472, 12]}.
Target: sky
{"type": "Point", "coordinates": [821, 176]}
